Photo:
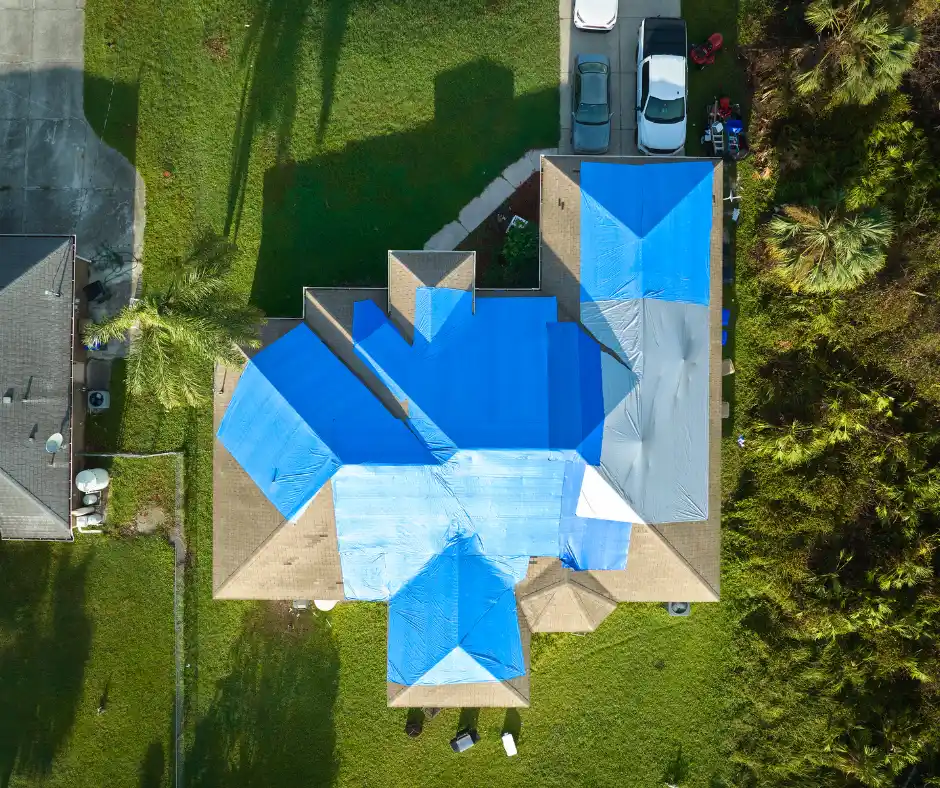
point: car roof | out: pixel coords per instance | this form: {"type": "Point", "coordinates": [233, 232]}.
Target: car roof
{"type": "Point", "coordinates": [667, 76]}
{"type": "Point", "coordinates": [598, 11]}
{"type": "Point", "coordinates": [594, 88]}
{"type": "Point", "coordinates": [664, 36]}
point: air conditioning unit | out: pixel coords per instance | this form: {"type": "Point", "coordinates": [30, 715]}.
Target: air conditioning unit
{"type": "Point", "coordinates": [98, 401]}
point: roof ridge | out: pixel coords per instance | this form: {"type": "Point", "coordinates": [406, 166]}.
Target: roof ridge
{"type": "Point", "coordinates": [251, 558]}
{"type": "Point", "coordinates": [675, 551]}
{"type": "Point", "coordinates": [23, 491]}
{"type": "Point", "coordinates": [580, 603]}
{"type": "Point", "coordinates": [553, 588]}
{"type": "Point", "coordinates": [581, 587]}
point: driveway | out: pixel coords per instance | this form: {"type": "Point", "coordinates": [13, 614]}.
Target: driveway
{"type": "Point", "coordinates": [56, 176]}
{"type": "Point", "coordinates": [620, 46]}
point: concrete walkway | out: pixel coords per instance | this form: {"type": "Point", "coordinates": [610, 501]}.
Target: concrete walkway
{"type": "Point", "coordinates": [56, 176]}
{"type": "Point", "coordinates": [476, 211]}
{"type": "Point", "coordinates": [620, 46]}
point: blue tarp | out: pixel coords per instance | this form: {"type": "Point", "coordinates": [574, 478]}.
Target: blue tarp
{"type": "Point", "coordinates": [510, 500]}
{"type": "Point", "coordinates": [646, 231]}
{"type": "Point", "coordinates": [455, 621]}
{"type": "Point", "coordinates": [510, 415]}
{"type": "Point", "coordinates": [472, 381]}
{"type": "Point", "coordinates": [645, 284]}
{"type": "Point", "coordinates": [298, 414]}
{"type": "Point", "coordinates": [588, 543]}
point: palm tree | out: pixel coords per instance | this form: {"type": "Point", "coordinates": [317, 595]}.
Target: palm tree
{"type": "Point", "coordinates": [822, 253]}
{"type": "Point", "coordinates": [860, 55]}
{"type": "Point", "coordinates": [176, 335]}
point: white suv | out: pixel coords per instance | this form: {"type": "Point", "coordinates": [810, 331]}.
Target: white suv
{"type": "Point", "coordinates": [662, 86]}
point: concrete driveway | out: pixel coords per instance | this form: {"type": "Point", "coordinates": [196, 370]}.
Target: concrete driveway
{"type": "Point", "coordinates": [620, 46]}
{"type": "Point", "coordinates": [56, 176]}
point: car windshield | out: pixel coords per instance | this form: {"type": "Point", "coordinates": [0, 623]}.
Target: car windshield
{"type": "Point", "coordinates": [591, 113]}
{"type": "Point", "coordinates": [665, 110]}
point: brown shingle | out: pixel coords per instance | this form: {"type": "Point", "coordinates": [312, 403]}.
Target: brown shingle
{"type": "Point", "coordinates": [407, 271]}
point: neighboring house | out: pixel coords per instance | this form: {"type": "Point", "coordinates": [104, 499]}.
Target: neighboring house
{"type": "Point", "coordinates": [37, 325]}
{"type": "Point", "coordinates": [492, 463]}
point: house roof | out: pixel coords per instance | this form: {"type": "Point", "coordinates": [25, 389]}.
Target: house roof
{"type": "Point", "coordinates": [663, 561]}
{"type": "Point", "coordinates": [36, 324]}
{"type": "Point", "coordinates": [257, 553]}
{"type": "Point", "coordinates": [553, 598]}
{"type": "Point", "coordinates": [509, 693]}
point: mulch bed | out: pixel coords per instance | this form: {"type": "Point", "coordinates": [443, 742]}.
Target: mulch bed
{"type": "Point", "coordinates": [487, 239]}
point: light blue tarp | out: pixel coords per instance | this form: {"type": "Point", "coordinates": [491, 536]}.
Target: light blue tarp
{"type": "Point", "coordinates": [645, 231]}
{"type": "Point", "coordinates": [645, 284]}
{"type": "Point", "coordinates": [392, 519]}
{"type": "Point", "coordinates": [588, 543]}
{"type": "Point", "coordinates": [455, 621]}
{"type": "Point", "coordinates": [298, 414]}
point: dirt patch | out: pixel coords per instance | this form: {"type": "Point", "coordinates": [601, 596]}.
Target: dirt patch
{"type": "Point", "coordinates": [487, 239]}
{"type": "Point", "coordinates": [150, 520]}
{"type": "Point", "coordinates": [217, 46]}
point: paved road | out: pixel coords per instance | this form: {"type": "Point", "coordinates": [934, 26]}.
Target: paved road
{"type": "Point", "coordinates": [55, 175]}
{"type": "Point", "coordinates": [620, 46]}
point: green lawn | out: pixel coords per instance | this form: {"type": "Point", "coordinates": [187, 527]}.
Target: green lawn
{"type": "Point", "coordinates": [610, 708]}
{"type": "Point", "coordinates": [318, 135]}
{"type": "Point", "coordinates": [78, 622]}
{"type": "Point", "coordinates": [725, 77]}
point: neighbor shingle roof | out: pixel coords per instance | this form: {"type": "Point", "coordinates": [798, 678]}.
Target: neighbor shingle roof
{"type": "Point", "coordinates": [36, 321]}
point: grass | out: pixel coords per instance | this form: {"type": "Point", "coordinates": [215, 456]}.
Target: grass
{"type": "Point", "coordinates": [137, 486]}
{"type": "Point", "coordinates": [613, 707]}
{"type": "Point", "coordinates": [725, 77]}
{"type": "Point", "coordinates": [318, 135]}
{"type": "Point", "coordinates": [78, 622]}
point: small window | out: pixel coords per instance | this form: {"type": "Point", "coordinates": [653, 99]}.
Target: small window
{"type": "Point", "coordinates": [645, 84]}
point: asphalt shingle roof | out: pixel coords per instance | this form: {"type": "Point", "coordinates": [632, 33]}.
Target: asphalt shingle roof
{"type": "Point", "coordinates": [36, 313]}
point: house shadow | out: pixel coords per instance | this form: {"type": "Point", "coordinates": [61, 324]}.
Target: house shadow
{"type": "Point", "coordinates": [271, 721]}
{"type": "Point", "coordinates": [330, 221]}
{"type": "Point", "coordinates": [46, 637]}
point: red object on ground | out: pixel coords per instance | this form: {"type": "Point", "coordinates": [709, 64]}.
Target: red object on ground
{"type": "Point", "coordinates": [704, 54]}
{"type": "Point", "coordinates": [724, 108]}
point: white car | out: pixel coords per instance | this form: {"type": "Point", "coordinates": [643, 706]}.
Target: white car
{"type": "Point", "coordinates": [595, 14]}
{"type": "Point", "coordinates": [662, 86]}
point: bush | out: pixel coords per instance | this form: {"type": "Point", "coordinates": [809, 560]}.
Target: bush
{"type": "Point", "coordinates": [520, 254]}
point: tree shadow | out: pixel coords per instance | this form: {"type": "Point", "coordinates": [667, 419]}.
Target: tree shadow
{"type": "Point", "coordinates": [677, 769]}
{"type": "Point", "coordinates": [271, 722]}
{"type": "Point", "coordinates": [331, 42]}
{"type": "Point", "coordinates": [330, 221]}
{"type": "Point", "coordinates": [47, 640]}
{"type": "Point", "coordinates": [153, 767]}
{"type": "Point", "coordinates": [273, 58]}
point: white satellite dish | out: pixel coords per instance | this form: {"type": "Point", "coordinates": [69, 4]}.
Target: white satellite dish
{"type": "Point", "coordinates": [53, 444]}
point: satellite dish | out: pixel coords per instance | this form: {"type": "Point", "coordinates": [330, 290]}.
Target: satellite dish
{"type": "Point", "coordinates": [53, 444]}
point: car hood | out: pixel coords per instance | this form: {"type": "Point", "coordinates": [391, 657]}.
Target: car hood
{"type": "Point", "coordinates": [662, 136]}
{"type": "Point", "coordinates": [591, 138]}
{"type": "Point", "coordinates": [596, 13]}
